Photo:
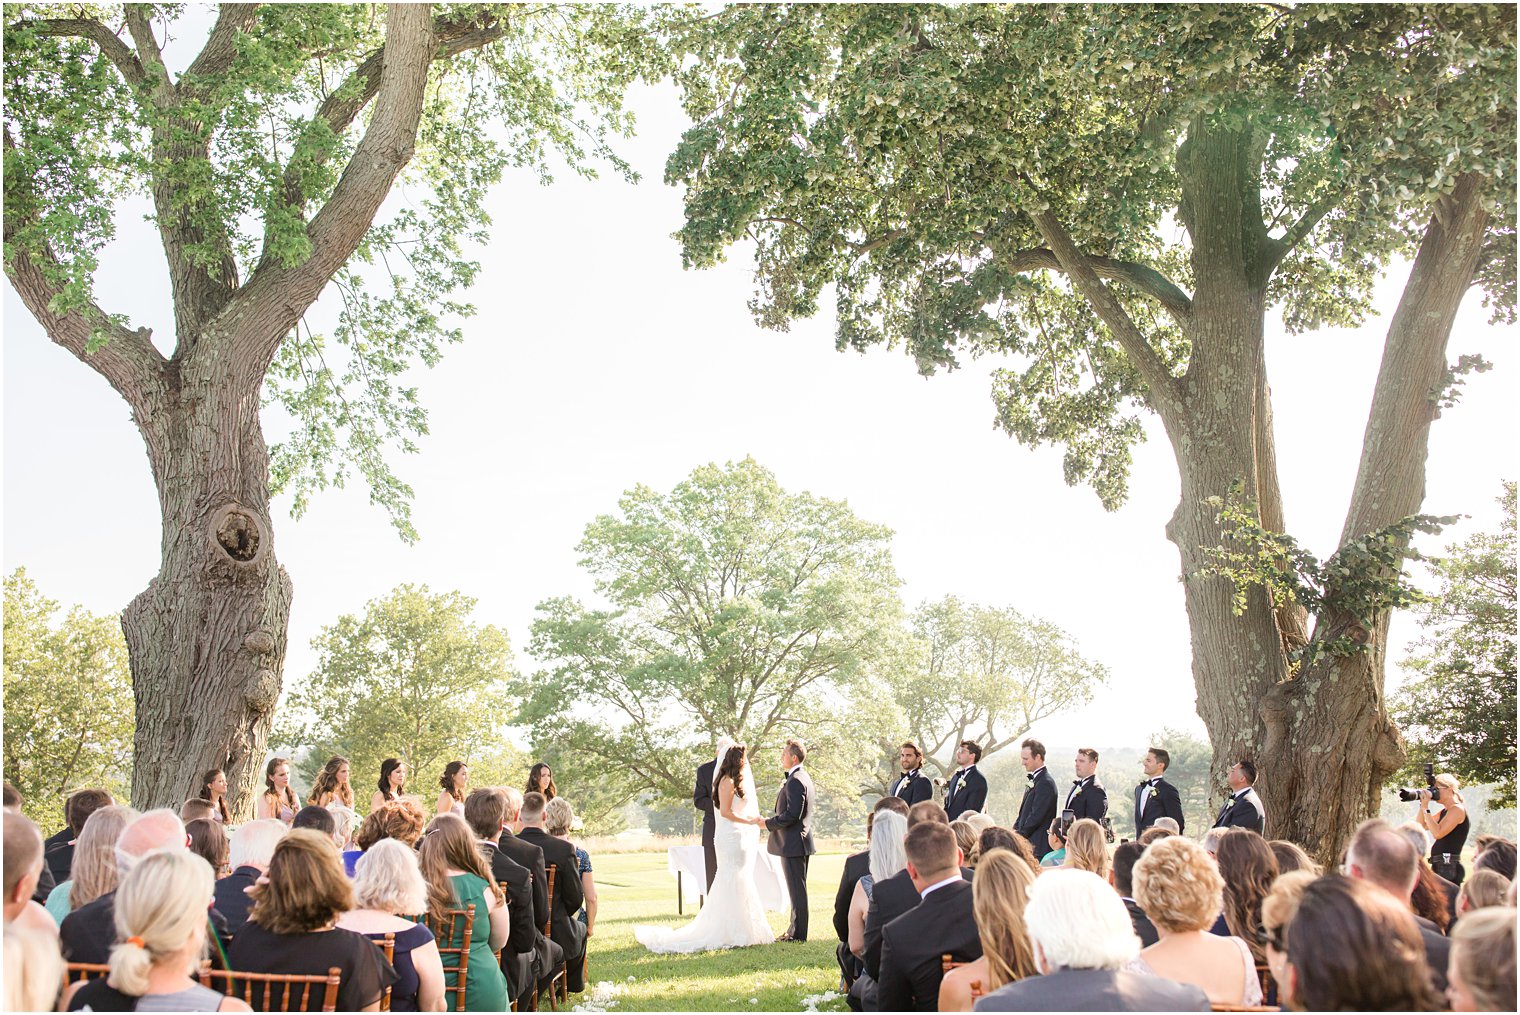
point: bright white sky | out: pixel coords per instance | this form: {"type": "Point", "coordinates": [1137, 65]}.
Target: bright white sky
{"type": "Point", "coordinates": [595, 363]}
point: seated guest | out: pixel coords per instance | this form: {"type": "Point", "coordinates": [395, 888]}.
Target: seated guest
{"type": "Point", "coordinates": [485, 811]}
{"type": "Point", "coordinates": [388, 891]}
{"type": "Point", "coordinates": [559, 816]}
{"type": "Point", "coordinates": [457, 877]}
{"type": "Point", "coordinates": [1291, 857]}
{"type": "Point", "coordinates": [547, 955]}
{"type": "Point", "coordinates": [1248, 868]}
{"type": "Point", "coordinates": [1155, 833]}
{"type": "Point", "coordinates": [1277, 911]}
{"type": "Point", "coordinates": [1057, 854]}
{"type": "Point", "coordinates": [1021, 846]}
{"type": "Point", "coordinates": [1087, 848]}
{"type": "Point", "coordinates": [208, 840]}
{"type": "Point", "coordinates": [1081, 939]}
{"type": "Point", "coordinates": [1497, 856]}
{"type": "Point", "coordinates": [1121, 876]}
{"type": "Point", "coordinates": [994, 837]}
{"type": "Point", "coordinates": [1485, 888]}
{"type": "Point", "coordinates": [1354, 947]}
{"type": "Point", "coordinates": [214, 788]}
{"type": "Point", "coordinates": [58, 852]}
{"type": "Point", "coordinates": [160, 915]}
{"type": "Point", "coordinates": [856, 865]}
{"type": "Point", "coordinates": [23, 868]}
{"type": "Point", "coordinates": [966, 840]}
{"type": "Point", "coordinates": [912, 945]}
{"type": "Point", "coordinates": [1482, 970]}
{"type": "Point", "coordinates": [196, 809]}
{"type": "Point", "coordinates": [33, 970]}
{"type": "Point", "coordinates": [999, 896]}
{"type": "Point", "coordinates": [343, 824]}
{"type": "Point", "coordinates": [89, 931]}
{"type": "Point", "coordinates": [94, 862]}
{"type": "Point", "coordinates": [1382, 857]}
{"type": "Point", "coordinates": [318, 819]}
{"type": "Point", "coordinates": [978, 821]}
{"type": "Point", "coordinates": [43, 883]}
{"type": "Point", "coordinates": [1178, 886]}
{"type": "Point", "coordinates": [1434, 897]}
{"type": "Point", "coordinates": [248, 854]}
{"type": "Point", "coordinates": [565, 929]}
{"type": "Point", "coordinates": [401, 820]}
{"type": "Point", "coordinates": [894, 896]}
{"type": "Point", "coordinates": [886, 858]}
{"type": "Point", "coordinates": [279, 800]}
{"type": "Point", "coordinates": [293, 926]}
{"type": "Point", "coordinates": [926, 810]}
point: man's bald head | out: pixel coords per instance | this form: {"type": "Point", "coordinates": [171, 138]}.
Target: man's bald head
{"type": "Point", "coordinates": [160, 829]}
{"type": "Point", "coordinates": [1382, 856]}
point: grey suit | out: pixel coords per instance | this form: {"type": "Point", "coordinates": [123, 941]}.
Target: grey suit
{"type": "Point", "coordinates": [1094, 990]}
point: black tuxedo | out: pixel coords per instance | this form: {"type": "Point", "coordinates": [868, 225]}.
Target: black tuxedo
{"type": "Point", "coordinates": [889, 900]}
{"type": "Point", "coordinates": [913, 787]}
{"type": "Point", "coordinates": [967, 791]}
{"type": "Point", "coordinates": [791, 838]}
{"type": "Point", "coordinates": [856, 866]}
{"type": "Point", "coordinates": [231, 898]}
{"type": "Point", "coordinates": [1164, 801]}
{"type": "Point", "coordinates": [58, 855]}
{"type": "Point", "coordinates": [565, 931]}
{"type": "Point", "coordinates": [517, 956]}
{"type": "Point", "coordinates": [1092, 802]}
{"type": "Point", "coordinates": [912, 947]}
{"type": "Point", "coordinates": [1036, 811]}
{"type": "Point", "coordinates": [89, 932]}
{"type": "Point", "coordinates": [702, 800]}
{"type": "Point", "coordinates": [1240, 811]}
{"type": "Point", "coordinates": [1144, 929]}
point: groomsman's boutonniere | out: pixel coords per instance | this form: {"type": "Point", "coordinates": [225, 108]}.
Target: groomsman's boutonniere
{"type": "Point", "coordinates": [1077, 792]}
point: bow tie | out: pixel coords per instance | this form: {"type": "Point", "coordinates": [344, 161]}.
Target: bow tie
{"type": "Point", "coordinates": [1149, 782]}
{"type": "Point", "coordinates": [1078, 782]}
{"type": "Point", "coordinates": [1029, 776]}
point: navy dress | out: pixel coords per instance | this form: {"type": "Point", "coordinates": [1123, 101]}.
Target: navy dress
{"type": "Point", "coordinates": [404, 991]}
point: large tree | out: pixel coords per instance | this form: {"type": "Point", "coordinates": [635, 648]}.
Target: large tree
{"type": "Point", "coordinates": [736, 608]}
{"type": "Point", "coordinates": [1113, 198]}
{"type": "Point", "coordinates": [68, 700]}
{"type": "Point", "coordinates": [412, 678]}
{"type": "Point", "coordinates": [268, 161]}
{"type": "Point", "coordinates": [988, 675]}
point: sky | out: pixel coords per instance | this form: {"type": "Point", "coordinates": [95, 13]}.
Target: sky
{"type": "Point", "coordinates": [595, 363]}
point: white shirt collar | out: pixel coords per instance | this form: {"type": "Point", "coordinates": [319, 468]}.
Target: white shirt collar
{"type": "Point", "coordinates": [1036, 773]}
{"type": "Point", "coordinates": [793, 770]}
{"type": "Point", "coordinates": [952, 879]}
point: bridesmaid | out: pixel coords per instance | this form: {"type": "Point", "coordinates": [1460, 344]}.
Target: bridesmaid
{"type": "Point", "coordinates": [279, 801]}
{"type": "Point", "coordinates": [332, 785]}
{"type": "Point", "coordinates": [541, 780]}
{"type": "Point", "coordinates": [392, 783]}
{"type": "Point", "coordinates": [214, 788]}
{"type": "Point", "coordinates": [455, 784]}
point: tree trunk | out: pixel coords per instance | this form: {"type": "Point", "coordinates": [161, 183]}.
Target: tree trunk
{"type": "Point", "coordinates": [206, 638]}
{"type": "Point", "coordinates": [1328, 727]}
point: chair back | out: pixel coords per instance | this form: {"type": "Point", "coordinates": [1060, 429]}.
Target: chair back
{"type": "Point", "coordinates": [549, 919]}
{"type": "Point", "coordinates": [947, 962]}
{"type": "Point", "coordinates": [462, 922]}
{"type": "Point", "coordinates": [73, 972]}
{"type": "Point", "coordinates": [260, 990]}
{"type": "Point", "coordinates": [388, 946]}
{"type": "Point", "coordinates": [1244, 1007]}
{"type": "Point", "coordinates": [1268, 985]}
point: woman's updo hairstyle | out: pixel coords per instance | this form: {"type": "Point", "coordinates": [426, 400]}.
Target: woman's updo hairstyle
{"type": "Point", "coordinates": [159, 905]}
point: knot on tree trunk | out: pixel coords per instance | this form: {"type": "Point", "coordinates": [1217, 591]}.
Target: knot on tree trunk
{"type": "Point", "coordinates": [240, 533]}
{"type": "Point", "coordinates": [263, 692]}
{"type": "Point", "coordinates": [259, 642]}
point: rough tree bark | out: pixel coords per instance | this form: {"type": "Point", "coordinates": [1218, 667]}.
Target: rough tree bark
{"type": "Point", "coordinates": [206, 639]}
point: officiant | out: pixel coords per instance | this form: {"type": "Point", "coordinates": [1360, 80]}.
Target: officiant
{"type": "Point", "coordinates": [702, 800]}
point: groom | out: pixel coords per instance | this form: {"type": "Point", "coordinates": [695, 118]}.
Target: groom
{"type": "Point", "coordinates": [791, 835]}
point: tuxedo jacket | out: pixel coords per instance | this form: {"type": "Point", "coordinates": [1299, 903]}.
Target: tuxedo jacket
{"type": "Point", "coordinates": [702, 800]}
{"type": "Point", "coordinates": [913, 788]}
{"type": "Point", "coordinates": [913, 946]}
{"type": "Point", "coordinates": [565, 930]}
{"type": "Point", "coordinates": [856, 866]}
{"type": "Point", "coordinates": [526, 854]}
{"type": "Point", "coordinates": [889, 900]}
{"type": "Point", "coordinates": [1144, 929]}
{"type": "Point", "coordinates": [1092, 802]}
{"type": "Point", "coordinates": [967, 792]}
{"type": "Point", "coordinates": [1164, 801]}
{"type": "Point", "coordinates": [1243, 811]}
{"type": "Point", "coordinates": [791, 827]}
{"type": "Point", "coordinates": [1036, 811]}
{"type": "Point", "coordinates": [519, 882]}
{"type": "Point", "coordinates": [230, 897]}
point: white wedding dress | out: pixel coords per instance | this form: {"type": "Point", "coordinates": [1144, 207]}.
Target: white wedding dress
{"type": "Point", "coordinates": [732, 916]}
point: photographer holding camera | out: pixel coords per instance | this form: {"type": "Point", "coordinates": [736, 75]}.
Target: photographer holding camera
{"type": "Point", "coordinates": [1448, 826]}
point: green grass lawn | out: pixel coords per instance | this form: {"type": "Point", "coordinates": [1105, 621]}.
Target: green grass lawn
{"type": "Point", "coordinates": [636, 888]}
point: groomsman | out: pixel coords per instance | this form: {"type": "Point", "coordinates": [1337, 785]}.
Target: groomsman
{"type": "Point", "coordinates": [1244, 808]}
{"type": "Point", "coordinates": [1087, 798]}
{"type": "Point", "coordinates": [1038, 807]}
{"type": "Point", "coordinates": [912, 786]}
{"type": "Point", "coordinates": [967, 790]}
{"type": "Point", "coordinates": [1155, 797]}
{"type": "Point", "coordinates": [702, 800]}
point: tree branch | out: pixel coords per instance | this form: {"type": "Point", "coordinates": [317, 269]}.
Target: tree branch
{"type": "Point", "coordinates": [118, 52]}
{"type": "Point", "coordinates": [1079, 268]}
{"type": "Point", "coordinates": [148, 53]}
{"type": "Point", "coordinates": [1279, 247]}
{"type": "Point", "coordinates": [221, 46]}
{"type": "Point", "coordinates": [1142, 278]}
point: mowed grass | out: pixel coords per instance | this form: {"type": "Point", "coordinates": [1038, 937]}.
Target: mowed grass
{"type": "Point", "coordinates": [637, 888]}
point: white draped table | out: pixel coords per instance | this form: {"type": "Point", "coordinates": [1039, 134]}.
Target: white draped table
{"type": "Point", "coordinates": [689, 869]}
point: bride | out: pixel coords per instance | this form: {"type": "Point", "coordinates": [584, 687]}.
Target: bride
{"type": "Point", "coordinates": [732, 916]}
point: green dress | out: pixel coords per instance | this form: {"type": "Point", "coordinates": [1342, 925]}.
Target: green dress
{"type": "Point", "coordinates": [485, 987]}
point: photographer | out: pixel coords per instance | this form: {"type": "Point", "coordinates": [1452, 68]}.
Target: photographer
{"type": "Point", "coordinates": [1448, 826]}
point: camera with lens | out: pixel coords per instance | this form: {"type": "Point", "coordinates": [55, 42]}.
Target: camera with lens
{"type": "Point", "coordinates": [1406, 793]}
